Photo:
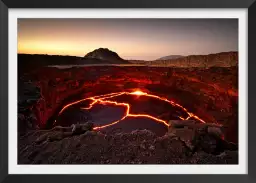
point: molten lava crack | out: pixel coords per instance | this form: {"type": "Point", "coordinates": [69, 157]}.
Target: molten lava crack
{"type": "Point", "coordinates": [102, 100]}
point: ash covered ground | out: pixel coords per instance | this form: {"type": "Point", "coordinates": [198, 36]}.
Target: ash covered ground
{"type": "Point", "coordinates": [46, 137]}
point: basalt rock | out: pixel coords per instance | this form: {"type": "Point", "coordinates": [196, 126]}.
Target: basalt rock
{"type": "Point", "coordinates": [200, 136]}
{"type": "Point", "coordinates": [29, 96]}
{"type": "Point", "coordinates": [138, 147]}
{"type": "Point", "coordinates": [58, 132]}
{"type": "Point", "coordinates": [81, 128]}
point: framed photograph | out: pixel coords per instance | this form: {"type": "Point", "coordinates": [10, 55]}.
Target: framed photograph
{"type": "Point", "coordinates": [130, 91]}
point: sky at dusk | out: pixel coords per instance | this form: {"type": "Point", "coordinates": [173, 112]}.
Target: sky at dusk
{"type": "Point", "coordinates": [141, 39]}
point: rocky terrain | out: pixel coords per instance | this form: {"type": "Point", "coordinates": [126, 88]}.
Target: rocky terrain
{"type": "Point", "coordinates": [75, 145]}
{"type": "Point", "coordinates": [224, 59]}
{"type": "Point", "coordinates": [205, 86]}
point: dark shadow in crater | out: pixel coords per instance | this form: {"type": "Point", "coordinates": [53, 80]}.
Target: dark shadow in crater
{"type": "Point", "coordinates": [103, 114]}
{"type": "Point", "coordinates": [137, 123]}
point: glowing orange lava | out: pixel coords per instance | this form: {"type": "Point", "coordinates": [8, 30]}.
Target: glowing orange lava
{"type": "Point", "coordinates": [138, 93]}
{"type": "Point", "coordinates": [101, 99]}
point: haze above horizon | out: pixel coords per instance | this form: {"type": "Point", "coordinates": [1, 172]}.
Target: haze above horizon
{"type": "Point", "coordinates": [140, 39]}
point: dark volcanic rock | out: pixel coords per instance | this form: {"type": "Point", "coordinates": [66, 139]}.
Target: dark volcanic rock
{"type": "Point", "coordinates": [224, 59]}
{"type": "Point", "coordinates": [204, 137]}
{"type": "Point", "coordinates": [138, 147]}
{"type": "Point", "coordinates": [29, 95]}
{"type": "Point", "coordinates": [78, 129]}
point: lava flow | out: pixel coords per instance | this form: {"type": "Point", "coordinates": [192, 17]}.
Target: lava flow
{"type": "Point", "coordinates": [102, 99]}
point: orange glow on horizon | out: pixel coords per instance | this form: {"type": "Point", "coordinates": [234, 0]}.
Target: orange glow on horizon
{"type": "Point", "coordinates": [136, 39]}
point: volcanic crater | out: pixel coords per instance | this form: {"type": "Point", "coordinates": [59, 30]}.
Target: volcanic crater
{"type": "Point", "coordinates": [121, 110]}
{"type": "Point", "coordinates": [144, 97]}
{"type": "Point", "coordinates": [121, 100]}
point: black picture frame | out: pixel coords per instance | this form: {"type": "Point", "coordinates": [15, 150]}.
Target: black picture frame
{"type": "Point", "coordinates": [6, 4]}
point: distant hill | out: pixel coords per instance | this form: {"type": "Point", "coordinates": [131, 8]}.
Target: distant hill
{"type": "Point", "coordinates": [170, 57]}
{"type": "Point", "coordinates": [223, 59]}
{"type": "Point", "coordinates": [104, 55]}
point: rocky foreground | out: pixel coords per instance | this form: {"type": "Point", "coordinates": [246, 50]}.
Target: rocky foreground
{"type": "Point", "coordinates": [79, 144]}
